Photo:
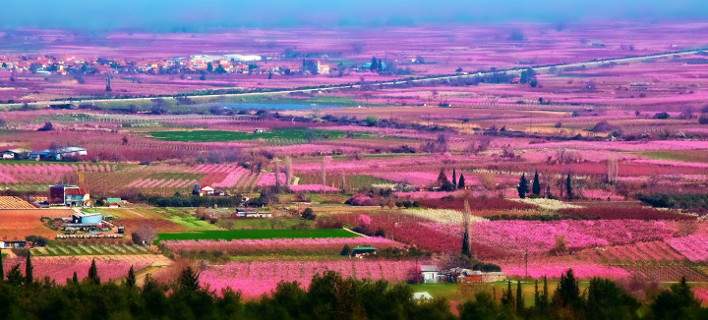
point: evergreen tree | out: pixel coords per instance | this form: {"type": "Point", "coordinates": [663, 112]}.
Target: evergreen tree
{"type": "Point", "coordinates": [461, 182]}
{"type": "Point", "coordinates": [130, 279]}
{"type": "Point", "coordinates": [678, 302]}
{"type": "Point", "coordinates": [14, 277]}
{"type": "Point", "coordinates": [93, 273]}
{"type": "Point", "coordinates": [454, 178]}
{"type": "Point", "coordinates": [443, 181]}
{"type": "Point", "coordinates": [523, 187]}
{"type": "Point", "coordinates": [484, 307]}
{"type": "Point", "coordinates": [507, 299]}
{"type": "Point", "coordinates": [536, 185]}
{"type": "Point", "coordinates": [29, 269]}
{"type": "Point", "coordinates": [536, 294]}
{"type": "Point", "coordinates": [188, 280]}
{"type": "Point", "coordinates": [75, 279]}
{"type": "Point", "coordinates": [466, 241]}
{"type": "Point", "coordinates": [375, 64]}
{"type": "Point", "coordinates": [544, 296]}
{"type": "Point", "coordinates": [569, 188]}
{"type": "Point", "coordinates": [519, 298]}
{"type": "Point", "coordinates": [466, 251]}
{"type": "Point", "coordinates": [2, 270]}
{"type": "Point", "coordinates": [606, 300]}
{"type": "Point", "coordinates": [568, 292]}
{"type": "Point", "coordinates": [346, 251]}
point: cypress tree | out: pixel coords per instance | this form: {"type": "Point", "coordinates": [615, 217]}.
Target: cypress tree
{"type": "Point", "coordinates": [466, 243]}
{"type": "Point", "coordinates": [568, 292]}
{"type": "Point", "coordinates": [14, 277]}
{"type": "Point", "coordinates": [29, 276]}
{"type": "Point", "coordinates": [519, 297]}
{"type": "Point", "coordinates": [454, 179]}
{"type": "Point", "coordinates": [93, 273]}
{"type": "Point", "coordinates": [442, 178]}
{"type": "Point", "coordinates": [523, 187]}
{"type": "Point", "coordinates": [569, 187]}
{"type": "Point", "coordinates": [130, 280]}
{"type": "Point", "coordinates": [75, 279]}
{"type": "Point", "coordinates": [466, 251]}
{"type": "Point", "coordinates": [544, 297]}
{"type": "Point", "coordinates": [507, 299]}
{"type": "Point", "coordinates": [536, 185]}
{"type": "Point", "coordinates": [536, 294]}
{"type": "Point", "coordinates": [461, 182]}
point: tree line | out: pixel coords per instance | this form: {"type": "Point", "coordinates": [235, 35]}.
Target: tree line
{"type": "Point", "coordinates": [329, 297]}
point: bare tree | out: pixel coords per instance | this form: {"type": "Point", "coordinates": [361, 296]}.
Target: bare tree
{"type": "Point", "coordinates": [612, 170]}
{"type": "Point", "coordinates": [144, 235]}
{"type": "Point", "coordinates": [324, 171]}
{"type": "Point", "coordinates": [288, 170]}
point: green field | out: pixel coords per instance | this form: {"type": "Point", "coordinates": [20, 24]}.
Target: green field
{"type": "Point", "coordinates": [288, 134]}
{"type": "Point", "coordinates": [258, 234]}
{"type": "Point", "coordinates": [686, 156]}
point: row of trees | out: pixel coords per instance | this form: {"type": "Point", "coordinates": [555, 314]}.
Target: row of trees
{"type": "Point", "coordinates": [523, 187]}
{"type": "Point", "coordinates": [446, 185]}
{"type": "Point", "coordinates": [602, 299]}
{"type": "Point", "coordinates": [329, 297]}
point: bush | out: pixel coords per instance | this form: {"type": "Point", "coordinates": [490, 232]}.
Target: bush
{"type": "Point", "coordinates": [308, 214]}
{"type": "Point", "coordinates": [48, 126]}
{"type": "Point", "coordinates": [703, 119]}
{"type": "Point", "coordinates": [676, 201]}
{"type": "Point", "coordinates": [346, 251]}
{"type": "Point", "coordinates": [662, 115]}
{"type": "Point", "coordinates": [37, 240]}
{"type": "Point", "coordinates": [486, 267]}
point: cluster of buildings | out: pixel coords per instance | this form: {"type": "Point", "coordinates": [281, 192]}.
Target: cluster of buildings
{"type": "Point", "coordinates": [48, 65]}
{"type": "Point", "coordinates": [89, 225]}
{"type": "Point", "coordinates": [52, 154]}
{"type": "Point", "coordinates": [433, 274]}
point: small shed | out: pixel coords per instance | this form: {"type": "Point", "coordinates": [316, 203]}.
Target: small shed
{"type": "Point", "coordinates": [429, 273]}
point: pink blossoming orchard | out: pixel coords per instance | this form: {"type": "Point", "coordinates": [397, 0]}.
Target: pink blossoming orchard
{"type": "Point", "coordinates": [477, 160]}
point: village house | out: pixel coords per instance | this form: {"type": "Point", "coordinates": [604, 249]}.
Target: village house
{"type": "Point", "coordinates": [429, 273]}
{"type": "Point", "coordinates": [13, 244]}
{"type": "Point", "coordinates": [206, 191]}
{"type": "Point", "coordinates": [68, 195]}
{"type": "Point", "coordinates": [60, 154]}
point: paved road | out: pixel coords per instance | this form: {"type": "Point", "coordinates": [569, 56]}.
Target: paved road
{"type": "Point", "coordinates": [419, 80]}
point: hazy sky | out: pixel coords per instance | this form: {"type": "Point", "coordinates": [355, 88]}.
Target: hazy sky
{"type": "Point", "coordinates": [194, 15]}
